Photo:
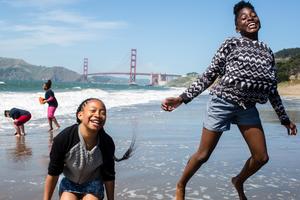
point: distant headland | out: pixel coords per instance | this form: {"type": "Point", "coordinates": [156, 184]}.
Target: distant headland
{"type": "Point", "coordinates": [18, 69]}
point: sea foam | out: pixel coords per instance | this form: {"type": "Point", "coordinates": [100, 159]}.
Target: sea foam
{"type": "Point", "coordinates": [69, 100]}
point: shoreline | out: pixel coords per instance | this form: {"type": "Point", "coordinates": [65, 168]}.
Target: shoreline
{"type": "Point", "coordinates": [161, 154]}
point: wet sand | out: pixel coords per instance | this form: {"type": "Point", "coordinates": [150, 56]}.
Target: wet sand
{"type": "Point", "coordinates": [165, 142]}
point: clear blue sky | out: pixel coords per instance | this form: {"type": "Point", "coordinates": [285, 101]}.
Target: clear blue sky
{"type": "Point", "coordinates": [170, 36]}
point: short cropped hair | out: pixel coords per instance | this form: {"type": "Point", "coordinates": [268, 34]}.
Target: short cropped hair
{"type": "Point", "coordinates": [239, 6]}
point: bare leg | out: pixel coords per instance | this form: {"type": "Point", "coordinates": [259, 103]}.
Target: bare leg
{"type": "Point", "coordinates": [55, 122]}
{"type": "Point", "coordinates": [68, 196]}
{"type": "Point", "coordinates": [22, 129]}
{"type": "Point", "coordinates": [50, 124]}
{"type": "Point", "coordinates": [255, 138]}
{"type": "Point", "coordinates": [90, 197]}
{"type": "Point", "coordinates": [209, 140]}
{"type": "Point", "coordinates": [18, 131]}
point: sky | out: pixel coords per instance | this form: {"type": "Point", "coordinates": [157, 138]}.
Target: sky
{"type": "Point", "coordinates": [171, 36]}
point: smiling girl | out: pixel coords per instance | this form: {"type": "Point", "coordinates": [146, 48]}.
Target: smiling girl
{"type": "Point", "coordinates": [244, 71]}
{"type": "Point", "coordinates": [84, 153]}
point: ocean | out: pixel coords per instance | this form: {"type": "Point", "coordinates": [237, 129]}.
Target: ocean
{"type": "Point", "coordinates": [164, 143]}
{"type": "Point", "coordinates": [25, 94]}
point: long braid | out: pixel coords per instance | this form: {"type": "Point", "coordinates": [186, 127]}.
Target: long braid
{"type": "Point", "coordinates": [129, 151]}
{"type": "Point", "coordinates": [131, 148]}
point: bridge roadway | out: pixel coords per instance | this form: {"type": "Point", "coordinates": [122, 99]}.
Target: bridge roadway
{"type": "Point", "coordinates": [128, 73]}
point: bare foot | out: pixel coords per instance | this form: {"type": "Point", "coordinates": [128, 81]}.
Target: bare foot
{"type": "Point", "coordinates": [239, 188]}
{"type": "Point", "coordinates": [50, 130]}
{"type": "Point", "coordinates": [180, 193]}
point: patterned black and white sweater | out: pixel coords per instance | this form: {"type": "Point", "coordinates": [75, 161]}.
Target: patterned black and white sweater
{"type": "Point", "coordinates": [245, 73]}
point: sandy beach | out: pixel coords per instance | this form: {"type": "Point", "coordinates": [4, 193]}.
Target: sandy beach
{"type": "Point", "coordinates": [289, 90]}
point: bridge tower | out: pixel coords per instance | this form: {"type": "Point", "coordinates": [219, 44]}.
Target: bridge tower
{"type": "Point", "coordinates": [132, 74]}
{"type": "Point", "coordinates": [85, 68]}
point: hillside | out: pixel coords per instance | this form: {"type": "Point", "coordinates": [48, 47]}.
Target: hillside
{"type": "Point", "coordinates": [18, 69]}
{"type": "Point", "coordinates": [184, 81]}
{"type": "Point", "coordinates": [287, 53]}
{"type": "Point", "coordinates": [288, 64]}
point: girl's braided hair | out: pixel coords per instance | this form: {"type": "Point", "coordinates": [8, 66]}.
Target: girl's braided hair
{"type": "Point", "coordinates": [82, 105]}
{"type": "Point", "coordinates": [131, 148]}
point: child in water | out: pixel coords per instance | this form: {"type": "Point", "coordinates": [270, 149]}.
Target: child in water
{"type": "Point", "coordinates": [52, 102]}
{"type": "Point", "coordinates": [84, 153]}
{"type": "Point", "coordinates": [20, 117]}
{"type": "Point", "coordinates": [244, 68]}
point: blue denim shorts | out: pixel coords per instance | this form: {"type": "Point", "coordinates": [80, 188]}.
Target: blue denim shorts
{"type": "Point", "coordinates": [94, 187]}
{"type": "Point", "coordinates": [221, 113]}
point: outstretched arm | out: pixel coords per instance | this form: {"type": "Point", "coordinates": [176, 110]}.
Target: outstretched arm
{"type": "Point", "coordinates": [216, 69]}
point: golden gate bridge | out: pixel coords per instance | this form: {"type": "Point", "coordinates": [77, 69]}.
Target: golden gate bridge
{"type": "Point", "coordinates": [155, 78]}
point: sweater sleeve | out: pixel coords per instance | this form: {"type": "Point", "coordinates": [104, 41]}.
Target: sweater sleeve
{"type": "Point", "coordinates": [276, 103]}
{"type": "Point", "coordinates": [57, 156]}
{"type": "Point", "coordinates": [108, 150]}
{"type": "Point", "coordinates": [216, 68]}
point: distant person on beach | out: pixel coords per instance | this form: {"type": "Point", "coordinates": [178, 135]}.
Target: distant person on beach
{"type": "Point", "coordinates": [20, 117]}
{"type": "Point", "coordinates": [245, 74]}
{"type": "Point", "coordinates": [52, 102]}
{"type": "Point", "coordinates": [84, 153]}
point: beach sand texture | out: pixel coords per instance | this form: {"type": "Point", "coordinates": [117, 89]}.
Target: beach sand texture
{"type": "Point", "coordinates": [165, 142]}
{"type": "Point", "coordinates": [290, 90]}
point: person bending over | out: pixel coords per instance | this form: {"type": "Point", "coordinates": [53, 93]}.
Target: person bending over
{"type": "Point", "coordinates": [20, 117]}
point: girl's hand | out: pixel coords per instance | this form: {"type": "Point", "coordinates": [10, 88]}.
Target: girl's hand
{"type": "Point", "coordinates": [171, 103]}
{"type": "Point", "coordinates": [291, 128]}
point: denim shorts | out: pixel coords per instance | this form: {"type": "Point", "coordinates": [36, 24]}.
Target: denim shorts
{"type": "Point", "coordinates": [221, 113]}
{"type": "Point", "coordinates": [94, 187]}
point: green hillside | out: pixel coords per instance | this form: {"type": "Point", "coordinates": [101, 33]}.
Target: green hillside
{"type": "Point", "coordinates": [287, 53]}
{"type": "Point", "coordinates": [288, 64]}
{"type": "Point", "coordinates": [18, 69]}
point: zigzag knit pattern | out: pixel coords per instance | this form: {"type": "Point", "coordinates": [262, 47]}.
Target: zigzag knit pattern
{"type": "Point", "coordinates": [245, 73]}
